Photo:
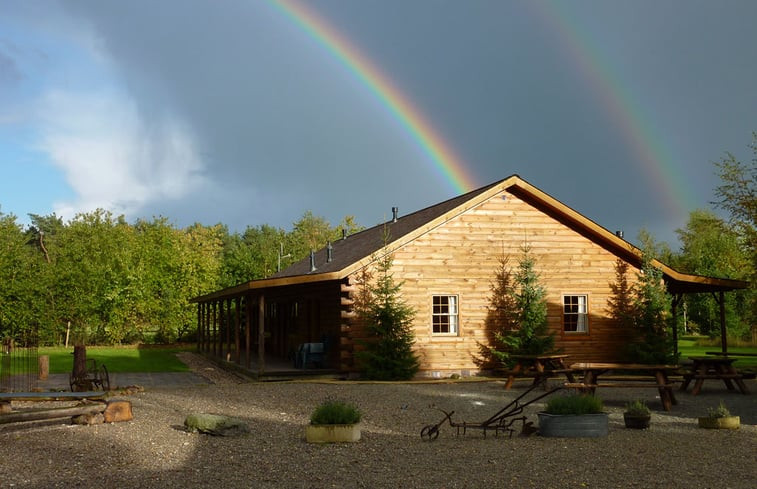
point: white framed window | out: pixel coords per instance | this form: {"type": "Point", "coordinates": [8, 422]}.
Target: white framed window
{"type": "Point", "coordinates": [444, 315]}
{"type": "Point", "coordinates": [575, 314]}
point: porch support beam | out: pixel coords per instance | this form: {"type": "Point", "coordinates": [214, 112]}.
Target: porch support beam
{"type": "Point", "coordinates": [247, 329]}
{"type": "Point", "coordinates": [261, 334]}
{"type": "Point", "coordinates": [676, 301]}
{"type": "Point", "coordinates": [237, 313]}
{"type": "Point", "coordinates": [723, 333]}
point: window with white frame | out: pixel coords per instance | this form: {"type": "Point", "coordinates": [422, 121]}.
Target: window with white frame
{"type": "Point", "coordinates": [575, 314]}
{"type": "Point", "coordinates": [444, 315]}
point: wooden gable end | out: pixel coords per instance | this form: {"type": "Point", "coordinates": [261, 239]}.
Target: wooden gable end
{"type": "Point", "coordinates": [459, 258]}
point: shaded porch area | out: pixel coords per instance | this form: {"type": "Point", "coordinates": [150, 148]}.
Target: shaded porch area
{"type": "Point", "coordinates": [273, 333]}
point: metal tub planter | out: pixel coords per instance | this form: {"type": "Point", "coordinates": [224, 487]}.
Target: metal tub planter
{"type": "Point", "coordinates": [574, 416]}
{"type": "Point", "coordinates": [573, 425]}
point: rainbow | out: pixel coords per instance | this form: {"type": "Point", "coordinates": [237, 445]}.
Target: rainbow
{"type": "Point", "coordinates": [401, 110]}
{"type": "Point", "coordinates": [652, 154]}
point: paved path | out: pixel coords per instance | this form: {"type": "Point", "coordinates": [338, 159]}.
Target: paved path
{"type": "Point", "coordinates": [146, 379]}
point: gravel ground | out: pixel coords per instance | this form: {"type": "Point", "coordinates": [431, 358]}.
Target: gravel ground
{"type": "Point", "coordinates": [154, 451]}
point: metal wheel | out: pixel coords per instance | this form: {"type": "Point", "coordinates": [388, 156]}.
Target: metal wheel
{"type": "Point", "coordinates": [430, 432]}
{"type": "Point", "coordinates": [104, 378]}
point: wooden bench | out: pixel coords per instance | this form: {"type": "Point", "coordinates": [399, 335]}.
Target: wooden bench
{"type": "Point", "coordinates": [712, 376]}
{"type": "Point", "coordinates": [732, 354]}
{"type": "Point", "coordinates": [51, 396]}
{"type": "Point", "coordinates": [581, 385]}
{"type": "Point", "coordinates": [542, 366]}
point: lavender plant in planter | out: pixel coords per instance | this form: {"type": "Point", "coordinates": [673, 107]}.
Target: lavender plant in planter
{"type": "Point", "coordinates": [574, 416]}
{"type": "Point", "coordinates": [334, 421]}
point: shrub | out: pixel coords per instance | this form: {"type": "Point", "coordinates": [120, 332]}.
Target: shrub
{"type": "Point", "coordinates": [575, 404]}
{"type": "Point", "coordinates": [637, 408]}
{"type": "Point", "coordinates": [334, 411]}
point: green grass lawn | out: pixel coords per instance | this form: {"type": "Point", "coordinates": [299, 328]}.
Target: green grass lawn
{"type": "Point", "coordinates": [163, 359]}
{"type": "Point", "coordinates": [121, 359]}
{"type": "Point", "coordinates": [688, 347]}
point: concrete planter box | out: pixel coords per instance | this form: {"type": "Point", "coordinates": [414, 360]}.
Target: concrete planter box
{"type": "Point", "coordinates": [726, 423]}
{"type": "Point", "coordinates": [332, 433]}
{"type": "Point", "coordinates": [573, 425]}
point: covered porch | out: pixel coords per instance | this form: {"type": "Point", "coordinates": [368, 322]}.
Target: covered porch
{"type": "Point", "coordinates": [273, 333]}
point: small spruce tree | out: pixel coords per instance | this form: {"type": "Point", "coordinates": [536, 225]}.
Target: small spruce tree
{"type": "Point", "coordinates": [501, 318]}
{"type": "Point", "coordinates": [388, 353]}
{"type": "Point", "coordinates": [651, 316]}
{"type": "Point", "coordinates": [621, 302]}
{"type": "Point", "coordinates": [523, 327]}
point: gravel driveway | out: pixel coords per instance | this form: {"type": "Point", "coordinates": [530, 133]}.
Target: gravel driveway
{"type": "Point", "coordinates": [154, 451]}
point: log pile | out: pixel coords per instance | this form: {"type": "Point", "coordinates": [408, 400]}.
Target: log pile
{"type": "Point", "coordinates": [111, 411]}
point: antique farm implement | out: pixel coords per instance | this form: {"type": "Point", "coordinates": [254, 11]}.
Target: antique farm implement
{"type": "Point", "coordinates": [500, 422]}
{"type": "Point", "coordinates": [94, 377]}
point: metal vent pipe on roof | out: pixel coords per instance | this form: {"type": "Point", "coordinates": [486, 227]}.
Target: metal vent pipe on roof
{"type": "Point", "coordinates": [329, 253]}
{"type": "Point", "coordinates": [395, 210]}
{"type": "Point", "coordinates": [619, 234]}
{"type": "Point", "coordinates": [344, 233]}
{"type": "Point", "coordinates": [312, 261]}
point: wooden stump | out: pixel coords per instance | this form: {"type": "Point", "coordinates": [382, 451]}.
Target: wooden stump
{"type": "Point", "coordinates": [43, 363]}
{"type": "Point", "coordinates": [117, 410]}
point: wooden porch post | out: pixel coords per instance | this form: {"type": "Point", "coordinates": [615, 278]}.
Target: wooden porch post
{"type": "Point", "coordinates": [216, 313]}
{"type": "Point", "coordinates": [228, 330]}
{"type": "Point", "coordinates": [219, 331]}
{"type": "Point", "coordinates": [723, 333]}
{"type": "Point", "coordinates": [237, 305]}
{"type": "Point", "coordinates": [206, 329]}
{"type": "Point", "coordinates": [247, 329]}
{"type": "Point", "coordinates": [261, 334]}
{"type": "Point", "coordinates": [199, 326]}
{"type": "Point", "coordinates": [676, 300]}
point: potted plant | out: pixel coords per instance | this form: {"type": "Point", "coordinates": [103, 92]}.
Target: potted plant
{"type": "Point", "coordinates": [637, 415]}
{"type": "Point", "coordinates": [333, 421]}
{"type": "Point", "coordinates": [720, 418]}
{"type": "Point", "coordinates": [574, 416]}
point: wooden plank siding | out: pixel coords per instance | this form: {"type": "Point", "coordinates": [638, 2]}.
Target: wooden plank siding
{"type": "Point", "coordinates": [460, 258]}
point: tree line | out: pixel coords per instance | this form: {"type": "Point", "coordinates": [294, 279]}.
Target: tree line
{"type": "Point", "coordinates": [98, 279]}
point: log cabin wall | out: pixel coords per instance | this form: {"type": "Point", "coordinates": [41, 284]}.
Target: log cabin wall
{"type": "Point", "coordinates": [459, 258]}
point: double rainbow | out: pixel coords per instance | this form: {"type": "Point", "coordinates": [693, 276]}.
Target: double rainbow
{"type": "Point", "coordinates": [649, 151]}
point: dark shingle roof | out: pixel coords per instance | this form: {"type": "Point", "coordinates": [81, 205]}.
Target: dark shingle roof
{"type": "Point", "coordinates": [363, 244]}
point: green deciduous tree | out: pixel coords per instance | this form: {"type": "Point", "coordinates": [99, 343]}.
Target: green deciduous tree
{"type": "Point", "coordinates": [712, 247]}
{"type": "Point", "coordinates": [737, 194]}
{"type": "Point", "coordinates": [17, 265]}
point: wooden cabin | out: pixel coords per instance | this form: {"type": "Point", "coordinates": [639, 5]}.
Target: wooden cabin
{"type": "Point", "coordinates": [445, 256]}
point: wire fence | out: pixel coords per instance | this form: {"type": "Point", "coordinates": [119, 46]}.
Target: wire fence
{"type": "Point", "coordinates": [19, 364]}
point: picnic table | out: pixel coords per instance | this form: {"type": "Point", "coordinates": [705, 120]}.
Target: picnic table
{"type": "Point", "coordinates": [713, 367]}
{"type": "Point", "coordinates": [543, 366]}
{"type": "Point", "coordinates": [654, 376]}
{"type": "Point", "coordinates": [731, 354]}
